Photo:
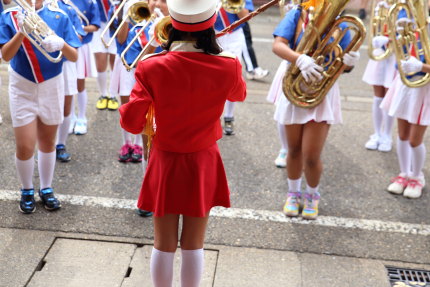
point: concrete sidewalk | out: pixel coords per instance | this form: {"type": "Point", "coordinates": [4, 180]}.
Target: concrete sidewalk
{"type": "Point", "coordinates": [43, 258]}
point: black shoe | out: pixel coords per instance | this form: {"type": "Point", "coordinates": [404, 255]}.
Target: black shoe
{"type": "Point", "coordinates": [228, 126]}
{"type": "Point", "coordinates": [62, 154]}
{"type": "Point", "coordinates": [49, 201]}
{"type": "Point", "coordinates": [362, 14]}
{"type": "Point", "coordinates": [27, 203]}
{"type": "Point", "coordinates": [143, 213]}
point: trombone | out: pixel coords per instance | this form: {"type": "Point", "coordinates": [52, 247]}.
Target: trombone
{"type": "Point", "coordinates": [137, 12]}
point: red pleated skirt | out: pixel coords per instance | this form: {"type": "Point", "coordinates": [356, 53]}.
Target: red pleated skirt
{"type": "Point", "coordinates": [184, 183]}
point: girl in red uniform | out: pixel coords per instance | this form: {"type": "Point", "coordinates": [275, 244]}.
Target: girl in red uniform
{"type": "Point", "coordinates": [185, 174]}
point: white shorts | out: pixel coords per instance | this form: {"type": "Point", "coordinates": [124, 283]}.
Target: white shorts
{"type": "Point", "coordinates": [233, 42]}
{"type": "Point", "coordinates": [381, 73]}
{"type": "Point", "coordinates": [409, 104]}
{"type": "Point", "coordinates": [96, 43]}
{"type": "Point", "coordinates": [121, 81]}
{"type": "Point", "coordinates": [70, 78]}
{"type": "Point", "coordinates": [28, 100]}
{"type": "Point", "coordinates": [86, 63]}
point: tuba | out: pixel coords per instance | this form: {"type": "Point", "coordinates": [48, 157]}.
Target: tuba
{"type": "Point", "coordinates": [323, 24]}
{"type": "Point", "coordinates": [413, 36]}
{"type": "Point", "coordinates": [233, 6]}
{"type": "Point", "coordinates": [36, 30]}
{"type": "Point", "coordinates": [379, 26]}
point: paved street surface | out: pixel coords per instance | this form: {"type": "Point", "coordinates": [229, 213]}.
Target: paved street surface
{"type": "Point", "coordinates": [96, 239]}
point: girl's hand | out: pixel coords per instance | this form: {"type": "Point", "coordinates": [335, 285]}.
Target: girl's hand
{"type": "Point", "coordinates": [412, 65]}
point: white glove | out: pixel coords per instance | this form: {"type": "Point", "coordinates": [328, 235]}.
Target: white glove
{"type": "Point", "coordinates": [311, 72]}
{"type": "Point", "coordinates": [351, 58]}
{"type": "Point", "coordinates": [53, 43]}
{"type": "Point", "coordinates": [401, 23]}
{"type": "Point", "coordinates": [380, 41]}
{"type": "Point", "coordinates": [20, 16]}
{"type": "Point", "coordinates": [412, 65]}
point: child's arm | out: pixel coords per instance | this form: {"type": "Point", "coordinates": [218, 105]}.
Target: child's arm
{"type": "Point", "coordinates": [282, 49]}
{"type": "Point", "coordinates": [90, 28]}
{"type": "Point", "coordinates": [70, 53]}
{"type": "Point", "coordinates": [10, 48]}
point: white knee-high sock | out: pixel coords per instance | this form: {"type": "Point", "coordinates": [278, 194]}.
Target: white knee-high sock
{"type": "Point", "coordinates": [228, 109]}
{"type": "Point", "coordinates": [25, 170]}
{"type": "Point", "coordinates": [46, 166]}
{"type": "Point", "coordinates": [161, 267]}
{"type": "Point", "coordinates": [82, 104]}
{"type": "Point", "coordinates": [102, 83]}
{"type": "Point", "coordinates": [126, 137]}
{"type": "Point", "coordinates": [192, 262]}
{"type": "Point", "coordinates": [63, 130]}
{"type": "Point", "coordinates": [282, 136]}
{"type": "Point", "coordinates": [377, 115]}
{"type": "Point", "coordinates": [72, 110]}
{"type": "Point", "coordinates": [404, 151]}
{"type": "Point", "coordinates": [311, 190]}
{"type": "Point", "coordinates": [388, 124]}
{"type": "Point", "coordinates": [294, 185]}
{"type": "Point", "coordinates": [138, 140]}
{"type": "Point", "coordinates": [418, 159]}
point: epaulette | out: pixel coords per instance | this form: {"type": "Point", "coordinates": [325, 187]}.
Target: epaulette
{"type": "Point", "coordinates": [226, 55]}
{"type": "Point", "coordinates": [153, 55]}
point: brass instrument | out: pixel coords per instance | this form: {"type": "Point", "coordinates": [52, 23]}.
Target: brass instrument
{"type": "Point", "coordinates": [323, 25]}
{"type": "Point", "coordinates": [137, 12]}
{"type": "Point", "coordinates": [379, 26]}
{"type": "Point", "coordinates": [233, 6]}
{"type": "Point", "coordinates": [283, 6]}
{"type": "Point", "coordinates": [413, 35]}
{"type": "Point", "coordinates": [81, 15]}
{"type": "Point", "coordinates": [36, 30]}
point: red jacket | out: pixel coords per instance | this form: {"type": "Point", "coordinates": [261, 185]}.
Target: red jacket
{"type": "Point", "coordinates": [188, 89]}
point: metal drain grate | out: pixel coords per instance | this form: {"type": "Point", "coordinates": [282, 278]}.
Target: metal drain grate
{"type": "Point", "coordinates": [404, 277]}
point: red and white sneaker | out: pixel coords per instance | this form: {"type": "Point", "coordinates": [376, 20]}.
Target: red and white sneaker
{"type": "Point", "coordinates": [398, 184]}
{"type": "Point", "coordinates": [415, 187]}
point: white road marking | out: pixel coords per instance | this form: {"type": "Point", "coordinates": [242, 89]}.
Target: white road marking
{"type": "Point", "coordinates": [249, 214]}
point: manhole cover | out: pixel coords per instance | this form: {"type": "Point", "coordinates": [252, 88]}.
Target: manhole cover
{"type": "Point", "coordinates": [404, 277]}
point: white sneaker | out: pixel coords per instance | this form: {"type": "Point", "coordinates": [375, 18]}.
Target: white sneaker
{"type": "Point", "coordinates": [281, 160]}
{"type": "Point", "coordinates": [398, 184]}
{"type": "Point", "coordinates": [373, 142]}
{"type": "Point", "coordinates": [80, 127]}
{"type": "Point", "coordinates": [415, 187]}
{"type": "Point", "coordinates": [72, 124]}
{"type": "Point", "coordinates": [385, 144]}
{"type": "Point", "coordinates": [257, 74]}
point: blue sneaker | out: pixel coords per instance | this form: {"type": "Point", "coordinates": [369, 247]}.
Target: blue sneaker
{"type": "Point", "coordinates": [62, 154]}
{"type": "Point", "coordinates": [50, 202]}
{"type": "Point", "coordinates": [27, 203]}
{"type": "Point", "coordinates": [143, 213]}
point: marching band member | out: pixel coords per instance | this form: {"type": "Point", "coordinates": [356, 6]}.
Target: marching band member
{"type": "Point", "coordinates": [185, 173]}
{"type": "Point", "coordinates": [233, 42]}
{"type": "Point", "coordinates": [85, 65]}
{"type": "Point", "coordinates": [380, 74]}
{"type": "Point", "coordinates": [36, 97]}
{"type": "Point", "coordinates": [70, 87]}
{"type": "Point", "coordinates": [1, 10]}
{"type": "Point", "coordinates": [306, 129]}
{"type": "Point", "coordinates": [411, 107]}
{"type": "Point", "coordinates": [103, 55]}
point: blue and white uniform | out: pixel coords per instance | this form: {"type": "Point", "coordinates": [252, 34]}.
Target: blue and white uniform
{"type": "Point", "coordinates": [86, 64]}
{"type": "Point", "coordinates": [329, 110]}
{"type": "Point", "coordinates": [36, 84]}
{"type": "Point", "coordinates": [97, 45]}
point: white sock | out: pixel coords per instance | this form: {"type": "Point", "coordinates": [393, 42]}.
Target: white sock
{"type": "Point", "coordinates": [138, 140]}
{"type": "Point", "coordinates": [404, 151]}
{"type": "Point", "coordinates": [311, 190]}
{"type": "Point", "coordinates": [388, 125]}
{"type": "Point", "coordinates": [294, 184]}
{"type": "Point", "coordinates": [72, 109]}
{"type": "Point", "coordinates": [82, 104]}
{"type": "Point", "coordinates": [161, 267]}
{"type": "Point", "coordinates": [228, 109]}
{"type": "Point", "coordinates": [102, 83]}
{"type": "Point", "coordinates": [25, 169]}
{"type": "Point", "coordinates": [418, 159]}
{"type": "Point", "coordinates": [126, 137]}
{"type": "Point", "coordinates": [377, 115]}
{"type": "Point", "coordinates": [63, 130]}
{"type": "Point", "coordinates": [46, 166]}
{"type": "Point", "coordinates": [192, 262]}
{"type": "Point", "coordinates": [282, 136]}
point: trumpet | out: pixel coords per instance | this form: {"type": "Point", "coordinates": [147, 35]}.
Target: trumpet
{"type": "Point", "coordinates": [81, 15]}
{"type": "Point", "coordinates": [322, 23]}
{"type": "Point", "coordinates": [413, 35]}
{"type": "Point", "coordinates": [379, 26]}
{"type": "Point", "coordinates": [137, 12]}
{"type": "Point", "coordinates": [36, 30]}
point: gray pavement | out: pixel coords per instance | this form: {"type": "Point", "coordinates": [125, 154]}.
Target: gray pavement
{"type": "Point", "coordinates": [97, 240]}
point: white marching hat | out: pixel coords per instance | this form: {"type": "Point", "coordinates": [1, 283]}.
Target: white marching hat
{"type": "Point", "coordinates": [192, 15]}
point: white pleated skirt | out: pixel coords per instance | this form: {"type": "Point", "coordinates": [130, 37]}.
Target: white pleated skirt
{"type": "Point", "coordinates": [380, 73]}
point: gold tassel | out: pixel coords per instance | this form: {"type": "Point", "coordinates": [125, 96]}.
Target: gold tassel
{"type": "Point", "coordinates": [149, 127]}
{"type": "Point", "coordinates": [312, 3]}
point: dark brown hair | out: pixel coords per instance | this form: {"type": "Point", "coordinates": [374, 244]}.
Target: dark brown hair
{"type": "Point", "coordinates": [205, 40]}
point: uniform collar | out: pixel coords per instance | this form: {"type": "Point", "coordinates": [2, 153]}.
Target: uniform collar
{"type": "Point", "coordinates": [184, 46]}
